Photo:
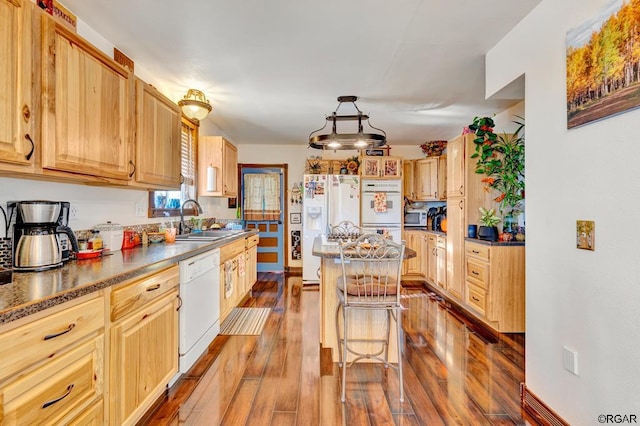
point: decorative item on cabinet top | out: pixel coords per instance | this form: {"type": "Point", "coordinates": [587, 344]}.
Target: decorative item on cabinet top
{"type": "Point", "coordinates": [433, 148]}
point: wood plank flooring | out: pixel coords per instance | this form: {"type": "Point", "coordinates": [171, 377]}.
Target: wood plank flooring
{"type": "Point", "coordinates": [454, 372]}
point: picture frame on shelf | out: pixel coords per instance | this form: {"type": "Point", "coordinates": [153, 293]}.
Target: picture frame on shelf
{"type": "Point", "coordinates": [391, 167]}
{"type": "Point", "coordinates": [370, 167]}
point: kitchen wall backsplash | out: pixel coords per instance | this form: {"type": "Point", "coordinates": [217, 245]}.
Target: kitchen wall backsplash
{"type": "Point", "coordinates": [6, 246]}
{"type": "Point", "coordinates": [5, 252]}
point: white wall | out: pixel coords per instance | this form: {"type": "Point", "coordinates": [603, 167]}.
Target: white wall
{"type": "Point", "coordinates": [586, 300]}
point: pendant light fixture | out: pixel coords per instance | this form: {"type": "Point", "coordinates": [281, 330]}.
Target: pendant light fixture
{"type": "Point", "coordinates": [342, 141]}
{"type": "Point", "coordinates": [194, 105]}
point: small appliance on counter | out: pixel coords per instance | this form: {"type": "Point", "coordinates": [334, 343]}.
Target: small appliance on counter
{"type": "Point", "coordinates": [38, 234]}
{"type": "Point", "coordinates": [415, 218]}
{"type": "Point", "coordinates": [440, 215]}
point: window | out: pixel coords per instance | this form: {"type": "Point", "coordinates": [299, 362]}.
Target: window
{"type": "Point", "coordinates": [167, 203]}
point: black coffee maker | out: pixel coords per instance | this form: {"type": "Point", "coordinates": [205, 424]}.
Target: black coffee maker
{"type": "Point", "coordinates": [439, 216]}
{"type": "Point", "coordinates": [41, 238]}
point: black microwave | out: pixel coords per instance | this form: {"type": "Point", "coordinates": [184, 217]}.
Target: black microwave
{"type": "Point", "coordinates": [416, 218]}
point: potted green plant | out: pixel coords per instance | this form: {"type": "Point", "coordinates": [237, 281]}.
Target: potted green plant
{"type": "Point", "coordinates": [488, 220]}
{"type": "Point", "coordinates": [501, 158]}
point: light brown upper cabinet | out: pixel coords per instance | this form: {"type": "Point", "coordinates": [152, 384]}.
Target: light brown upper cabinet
{"type": "Point", "coordinates": [87, 109]}
{"type": "Point", "coordinates": [157, 147]}
{"type": "Point", "coordinates": [408, 167]}
{"type": "Point", "coordinates": [219, 153]}
{"type": "Point", "coordinates": [425, 180]}
{"type": "Point", "coordinates": [19, 85]}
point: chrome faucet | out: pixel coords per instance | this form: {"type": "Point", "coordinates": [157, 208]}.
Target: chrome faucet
{"type": "Point", "coordinates": [181, 226]}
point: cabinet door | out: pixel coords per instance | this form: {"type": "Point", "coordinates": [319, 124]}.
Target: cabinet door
{"type": "Point", "coordinates": [426, 183]}
{"type": "Point", "coordinates": [371, 167]}
{"type": "Point", "coordinates": [424, 250]}
{"type": "Point", "coordinates": [442, 178]}
{"type": "Point", "coordinates": [86, 108]}
{"type": "Point", "coordinates": [441, 268]}
{"type": "Point", "coordinates": [157, 159]}
{"type": "Point", "coordinates": [251, 267]}
{"type": "Point", "coordinates": [230, 170]}
{"type": "Point", "coordinates": [217, 152]}
{"type": "Point", "coordinates": [408, 179]}
{"type": "Point", "coordinates": [455, 167]}
{"type": "Point", "coordinates": [455, 247]}
{"type": "Point", "coordinates": [144, 357]}
{"type": "Point", "coordinates": [414, 242]}
{"type": "Point", "coordinates": [432, 268]}
{"type": "Point", "coordinates": [18, 83]}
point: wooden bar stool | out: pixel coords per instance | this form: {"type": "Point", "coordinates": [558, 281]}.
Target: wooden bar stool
{"type": "Point", "coordinates": [370, 281]}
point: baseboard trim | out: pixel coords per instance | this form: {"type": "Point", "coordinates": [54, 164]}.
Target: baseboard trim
{"type": "Point", "coordinates": [536, 408]}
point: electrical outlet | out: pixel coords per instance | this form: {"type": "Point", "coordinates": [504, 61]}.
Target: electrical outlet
{"type": "Point", "coordinates": [73, 213]}
{"type": "Point", "coordinates": [141, 209]}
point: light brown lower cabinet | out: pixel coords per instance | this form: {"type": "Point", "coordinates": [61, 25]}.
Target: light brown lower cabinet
{"type": "Point", "coordinates": [52, 364]}
{"type": "Point", "coordinates": [144, 344]}
{"type": "Point", "coordinates": [495, 285]}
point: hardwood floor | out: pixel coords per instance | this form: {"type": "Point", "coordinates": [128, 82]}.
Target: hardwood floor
{"type": "Point", "coordinates": [454, 371]}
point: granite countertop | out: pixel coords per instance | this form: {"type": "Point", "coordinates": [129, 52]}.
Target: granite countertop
{"type": "Point", "coordinates": [333, 250]}
{"type": "Point", "coordinates": [495, 243]}
{"type": "Point", "coordinates": [31, 292]}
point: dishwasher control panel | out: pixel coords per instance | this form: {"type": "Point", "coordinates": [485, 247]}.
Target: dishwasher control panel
{"type": "Point", "coordinates": [196, 266]}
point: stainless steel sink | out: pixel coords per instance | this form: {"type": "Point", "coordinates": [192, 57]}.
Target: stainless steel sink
{"type": "Point", "coordinates": [208, 235]}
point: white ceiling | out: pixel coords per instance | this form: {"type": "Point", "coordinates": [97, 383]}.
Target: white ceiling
{"type": "Point", "coordinates": [273, 69]}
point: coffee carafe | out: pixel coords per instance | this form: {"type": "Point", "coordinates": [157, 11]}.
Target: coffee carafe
{"type": "Point", "coordinates": [37, 234]}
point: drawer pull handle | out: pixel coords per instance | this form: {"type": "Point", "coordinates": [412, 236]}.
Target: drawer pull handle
{"type": "Point", "coordinates": [153, 287]}
{"type": "Point", "coordinates": [54, 335]}
{"type": "Point", "coordinates": [53, 401]}
{"type": "Point", "coordinates": [475, 273]}
{"type": "Point", "coordinates": [475, 299]}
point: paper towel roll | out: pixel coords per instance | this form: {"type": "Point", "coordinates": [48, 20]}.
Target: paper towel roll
{"type": "Point", "coordinates": [211, 178]}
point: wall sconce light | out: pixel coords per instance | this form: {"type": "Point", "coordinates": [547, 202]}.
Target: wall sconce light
{"type": "Point", "coordinates": [194, 105]}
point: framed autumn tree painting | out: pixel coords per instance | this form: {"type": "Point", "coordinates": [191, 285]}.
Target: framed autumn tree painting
{"type": "Point", "coordinates": [603, 64]}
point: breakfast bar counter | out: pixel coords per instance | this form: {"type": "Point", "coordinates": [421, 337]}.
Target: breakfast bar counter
{"type": "Point", "coordinates": [364, 324]}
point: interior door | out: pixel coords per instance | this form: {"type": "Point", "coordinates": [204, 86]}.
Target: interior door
{"type": "Point", "coordinates": [271, 228]}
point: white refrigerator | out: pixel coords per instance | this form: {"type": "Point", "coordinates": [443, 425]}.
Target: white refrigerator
{"type": "Point", "coordinates": [327, 201]}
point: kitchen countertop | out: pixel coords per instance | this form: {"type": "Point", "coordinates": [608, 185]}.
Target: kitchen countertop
{"type": "Point", "coordinates": [424, 229]}
{"type": "Point", "coordinates": [31, 292]}
{"type": "Point", "coordinates": [495, 243]}
{"type": "Point", "coordinates": [333, 250]}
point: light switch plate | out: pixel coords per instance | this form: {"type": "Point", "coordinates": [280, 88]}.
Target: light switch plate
{"type": "Point", "coordinates": [585, 234]}
{"type": "Point", "coordinates": [570, 359]}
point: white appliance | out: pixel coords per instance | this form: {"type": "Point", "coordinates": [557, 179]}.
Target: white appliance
{"type": "Point", "coordinates": [382, 207]}
{"type": "Point", "coordinates": [415, 218]}
{"type": "Point", "coordinates": [327, 201]}
{"type": "Point", "coordinates": [200, 309]}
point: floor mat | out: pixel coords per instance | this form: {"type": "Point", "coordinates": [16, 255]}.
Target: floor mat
{"type": "Point", "coordinates": [245, 321]}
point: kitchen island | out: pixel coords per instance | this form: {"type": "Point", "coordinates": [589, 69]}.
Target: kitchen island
{"type": "Point", "coordinates": [364, 324]}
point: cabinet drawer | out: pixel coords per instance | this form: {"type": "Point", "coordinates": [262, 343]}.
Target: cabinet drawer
{"type": "Point", "coordinates": [442, 242]}
{"type": "Point", "coordinates": [129, 297]}
{"type": "Point", "coordinates": [92, 416]}
{"type": "Point", "coordinates": [60, 389]}
{"type": "Point", "coordinates": [432, 238]}
{"type": "Point", "coordinates": [478, 272]}
{"type": "Point", "coordinates": [231, 250]}
{"type": "Point", "coordinates": [252, 241]}
{"type": "Point", "coordinates": [477, 250]}
{"type": "Point", "coordinates": [475, 297]}
{"type": "Point", "coordinates": [44, 338]}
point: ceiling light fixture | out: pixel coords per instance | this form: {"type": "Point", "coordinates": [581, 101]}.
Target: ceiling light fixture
{"type": "Point", "coordinates": [335, 140]}
{"type": "Point", "coordinates": [194, 105]}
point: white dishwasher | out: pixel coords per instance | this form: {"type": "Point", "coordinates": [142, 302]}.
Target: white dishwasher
{"type": "Point", "coordinates": [200, 309]}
